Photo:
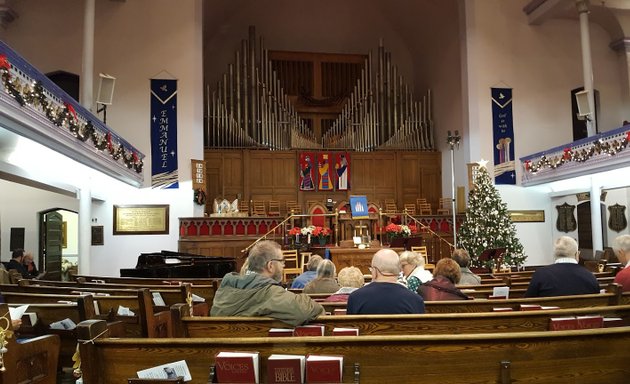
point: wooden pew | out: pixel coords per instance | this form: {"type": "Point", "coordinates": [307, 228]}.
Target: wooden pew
{"type": "Point", "coordinates": [29, 361]}
{"type": "Point", "coordinates": [145, 322]}
{"type": "Point", "coordinates": [147, 280]}
{"type": "Point", "coordinates": [205, 291]}
{"type": "Point", "coordinates": [611, 297]}
{"type": "Point", "coordinates": [582, 356]}
{"type": "Point", "coordinates": [448, 323]}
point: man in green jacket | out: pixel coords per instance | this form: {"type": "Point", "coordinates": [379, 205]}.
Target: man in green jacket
{"type": "Point", "coordinates": [258, 292]}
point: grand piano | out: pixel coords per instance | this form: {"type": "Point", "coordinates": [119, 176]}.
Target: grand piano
{"type": "Point", "coordinates": [168, 264]}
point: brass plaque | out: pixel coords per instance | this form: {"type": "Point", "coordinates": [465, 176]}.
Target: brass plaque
{"type": "Point", "coordinates": [527, 216]}
{"type": "Point", "coordinates": [141, 219]}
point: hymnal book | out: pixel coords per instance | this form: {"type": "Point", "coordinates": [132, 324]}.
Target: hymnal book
{"type": "Point", "coordinates": [17, 312]}
{"type": "Point", "coordinates": [501, 291]}
{"type": "Point", "coordinates": [157, 299]}
{"type": "Point", "coordinates": [324, 369]}
{"type": "Point", "coordinates": [29, 318]}
{"type": "Point", "coordinates": [124, 311]}
{"type": "Point", "coordinates": [529, 307]}
{"type": "Point", "coordinates": [167, 371]}
{"type": "Point", "coordinates": [502, 309]}
{"type": "Point", "coordinates": [286, 369]}
{"type": "Point", "coordinates": [237, 367]}
{"type": "Point", "coordinates": [309, 330]}
{"type": "Point", "coordinates": [610, 322]}
{"type": "Point", "coordinates": [588, 322]}
{"type": "Point", "coordinates": [345, 331]}
{"type": "Point", "coordinates": [562, 323]}
{"type": "Point", "coordinates": [63, 324]}
{"type": "Point", "coordinates": [280, 332]}
{"type": "Point", "coordinates": [198, 299]}
{"type": "Point", "coordinates": [548, 307]}
{"type": "Point", "coordinates": [339, 311]}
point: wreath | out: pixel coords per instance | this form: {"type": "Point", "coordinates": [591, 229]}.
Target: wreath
{"type": "Point", "coordinates": [200, 196]}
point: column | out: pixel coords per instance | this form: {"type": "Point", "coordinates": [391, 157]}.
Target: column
{"type": "Point", "coordinates": [587, 64]}
{"type": "Point", "coordinates": [85, 228]}
{"type": "Point", "coordinates": [87, 72]}
{"type": "Point", "coordinates": [596, 215]}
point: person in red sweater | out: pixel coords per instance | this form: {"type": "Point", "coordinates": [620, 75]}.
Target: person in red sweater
{"type": "Point", "coordinates": [621, 247]}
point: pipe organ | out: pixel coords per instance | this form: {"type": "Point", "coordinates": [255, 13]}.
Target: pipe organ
{"type": "Point", "coordinates": [267, 99]}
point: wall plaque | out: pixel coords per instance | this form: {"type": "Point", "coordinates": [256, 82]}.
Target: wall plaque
{"type": "Point", "coordinates": [527, 216]}
{"type": "Point", "coordinates": [141, 219]}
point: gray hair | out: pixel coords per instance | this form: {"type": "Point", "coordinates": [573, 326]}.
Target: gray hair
{"type": "Point", "coordinates": [411, 258]}
{"type": "Point", "coordinates": [461, 257]}
{"type": "Point", "coordinates": [313, 262]}
{"type": "Point", "coordinates": [565, 246]}
{"type": "Point", "coordinates": [261, 253]}
{"type": "Point", "coordinates": [326, 269]}
{"type": "Point", "coordinates": [621, 243]}
{"type": "Point", "coordinates": [351, 277]}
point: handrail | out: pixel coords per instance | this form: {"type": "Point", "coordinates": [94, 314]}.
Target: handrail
{"type": "Point", "coordinates": [292, 217]}
{"type": "Point", "coordinates": [428, 229]}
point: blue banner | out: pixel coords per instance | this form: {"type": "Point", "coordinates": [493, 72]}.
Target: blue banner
{"type": "Point", "coordinates": [503, 136]}
{"type": "Point", "coordinates": [164, 134]}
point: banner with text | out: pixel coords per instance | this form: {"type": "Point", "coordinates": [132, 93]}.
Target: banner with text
{"type": "Point", "coordinates": [503, 136]}
{"type": "Point", "coordinates": [164, 133]}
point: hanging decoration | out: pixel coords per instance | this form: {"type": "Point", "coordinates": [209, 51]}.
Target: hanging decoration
{"type": "Point", "coordinates": [579, 155]}
{"type": "Point", "coordinates": [164, 170]}
{"type": "Point", "coordinates": [342, 171]}
{"type": "Point", "coordinates": [64, 115]}
{"type": "Point", "coordinates": [307, 171]}
{"type": "Point", "coordinates": [503, 136]}
{"type": "Point", "coordinates": [324, 171]}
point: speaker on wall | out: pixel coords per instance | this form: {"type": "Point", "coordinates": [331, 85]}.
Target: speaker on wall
{"type": "Point", "coordinates": [105, 89]}
{"type": "Point", "coordinates": [581, 99]}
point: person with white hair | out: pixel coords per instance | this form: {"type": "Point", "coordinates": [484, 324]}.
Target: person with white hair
{"type": "Point", "coordinates": [384, 295]}
{"type": "Point", "coordinates": [565, 276]}
{"type": "Point", "coordinates": [621, 247]}
{"type": "Point", "coordinates": [413, 272]}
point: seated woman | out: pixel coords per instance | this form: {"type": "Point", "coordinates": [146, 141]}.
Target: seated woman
{"type": "Point", "coordinates": [325, 281]}
{"type": "Point", "coordinates": [350, 279]}
{"type": "Point", "coordinates": [413, 272]}
{"type": "Point", "coordinates": [446, 274]}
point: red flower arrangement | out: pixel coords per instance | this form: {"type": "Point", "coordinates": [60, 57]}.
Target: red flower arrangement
{"type": "Point", "coordinates": [295, 231]}
{"type": "Point", "coordinates": [321, 231]}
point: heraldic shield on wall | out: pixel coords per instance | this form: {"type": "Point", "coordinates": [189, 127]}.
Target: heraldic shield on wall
{"type": "Point", "coordinates": [617, 217]}
{"type": "Point", "coordinates": [566, 220]}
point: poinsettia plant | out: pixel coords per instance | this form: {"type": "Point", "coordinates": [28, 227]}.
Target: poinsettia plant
{"type": "Point", "coordinates": [399, 230]}
{"type": "Point", "coordinates": [295, 231]}
{"type": "Point", "coordinates": [321, 231]}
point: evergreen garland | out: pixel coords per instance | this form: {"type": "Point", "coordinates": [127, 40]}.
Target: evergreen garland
{"type": "Point", "coordinates": [488, 224]}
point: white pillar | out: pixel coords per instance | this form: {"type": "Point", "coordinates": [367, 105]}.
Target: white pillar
{"type": "Point", "coordinates": [587, 64]}
{"type": "Point", "coordinates": [87, 72]}
{"type": "Point", "coordinates": [596, 215]}
{"type": "Point", "coordinates": [85, 228]}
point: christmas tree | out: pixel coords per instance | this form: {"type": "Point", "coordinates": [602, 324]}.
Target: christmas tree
{"type": "Point", "coordinates": [488, 224]}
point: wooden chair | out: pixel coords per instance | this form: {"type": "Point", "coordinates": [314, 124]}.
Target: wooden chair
{"type": "Point", "coordinates": [390, 206]}
{"type": "Point", "coordinates": [291, 264]}
{"type": "Point", "coordinates": [258, 208]}
{"type": "Point", "coordinates": [445, 206]}
{"type": "Point", "coordinates": [420, 200]}
{"type": "Point", "coordinates": [243, 206]}
{"type": "Point", "coordinates": [422, 251]}
{"type": "Point", "coordinates": [410, 209]}
{"type": "Point", "coordinates": [274, 208]}
{"type": "Point", "coordinates": [305, 257]}
{"type": "Point", "coordinates": [425, 209]}
{"type": "Point", "coordinates": [293, 207]}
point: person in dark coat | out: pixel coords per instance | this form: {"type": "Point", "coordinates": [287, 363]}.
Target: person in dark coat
{"type": "Point", "coordinates": [16, 263]}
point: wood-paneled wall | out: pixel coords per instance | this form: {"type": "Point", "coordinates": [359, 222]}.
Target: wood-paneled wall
{"type": "Point", "coordinates": [273, 175]}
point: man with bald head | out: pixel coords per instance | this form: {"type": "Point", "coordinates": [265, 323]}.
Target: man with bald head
{"type": "Point", "coordinates": [384, 295]}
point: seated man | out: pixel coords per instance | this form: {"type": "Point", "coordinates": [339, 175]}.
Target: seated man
{"type": "Point", "coordinates": [462, 258]}
{"type": "Point", "coordinates": [311, 272]}
{"type": "Point", "coordinates": [16, 263]}
{"type": "Point", "coordinates": [257, 292]}
{"type": "Point", "coordinates": [621, 247]}
{"type": "Point", "coordinates": [565, 276]}
{"type": "Point", "coordinates": [384, 295]}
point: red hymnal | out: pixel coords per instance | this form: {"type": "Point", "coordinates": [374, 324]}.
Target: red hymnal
{"type": "Point", "coordinates": [610, 322]}
{"type": "Point", "coordinates": [345, 332]}
{"type": "Point", "coordinates": [309, 330]}
{"type": "Point", "coordinates": [237, 367]}
{"type": "Point", "coordinates": [562, 323]}
{"type": "Point", "coordinates": [530, 307]}
{"type": "Point", "coordinates": [324, 369]}
{"type": "Point", "coordinates": [286, 369]}
{"type": "Point", "coordinates": [280, 332]}
{"type": "Point", "coordinates": [588, 322]}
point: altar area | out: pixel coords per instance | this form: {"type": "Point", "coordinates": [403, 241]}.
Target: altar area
{"type": "Point", "coordinates": [231, 236]}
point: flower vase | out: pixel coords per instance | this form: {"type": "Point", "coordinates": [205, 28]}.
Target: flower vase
{"type": "Point", "coordinates": [323, 240]}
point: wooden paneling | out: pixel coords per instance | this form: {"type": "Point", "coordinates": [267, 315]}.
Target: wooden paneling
{"type": "Point", "coordinates": [273, 175]}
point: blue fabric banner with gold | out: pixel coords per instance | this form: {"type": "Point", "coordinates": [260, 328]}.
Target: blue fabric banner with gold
{"type": "Point", "coordinates": [164, 134]}
{"type": "Point", "coordinates": [503, 136]}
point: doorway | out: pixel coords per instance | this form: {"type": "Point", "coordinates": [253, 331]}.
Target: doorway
{"type": "Point", "coordinates": [58, 245]}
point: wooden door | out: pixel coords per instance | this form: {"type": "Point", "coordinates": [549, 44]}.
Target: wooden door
{"type": "Point", "coordinates": [52, 243]}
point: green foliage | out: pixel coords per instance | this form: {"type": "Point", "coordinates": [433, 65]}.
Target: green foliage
{"type": "Point", "coordinates": [488, 224]}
